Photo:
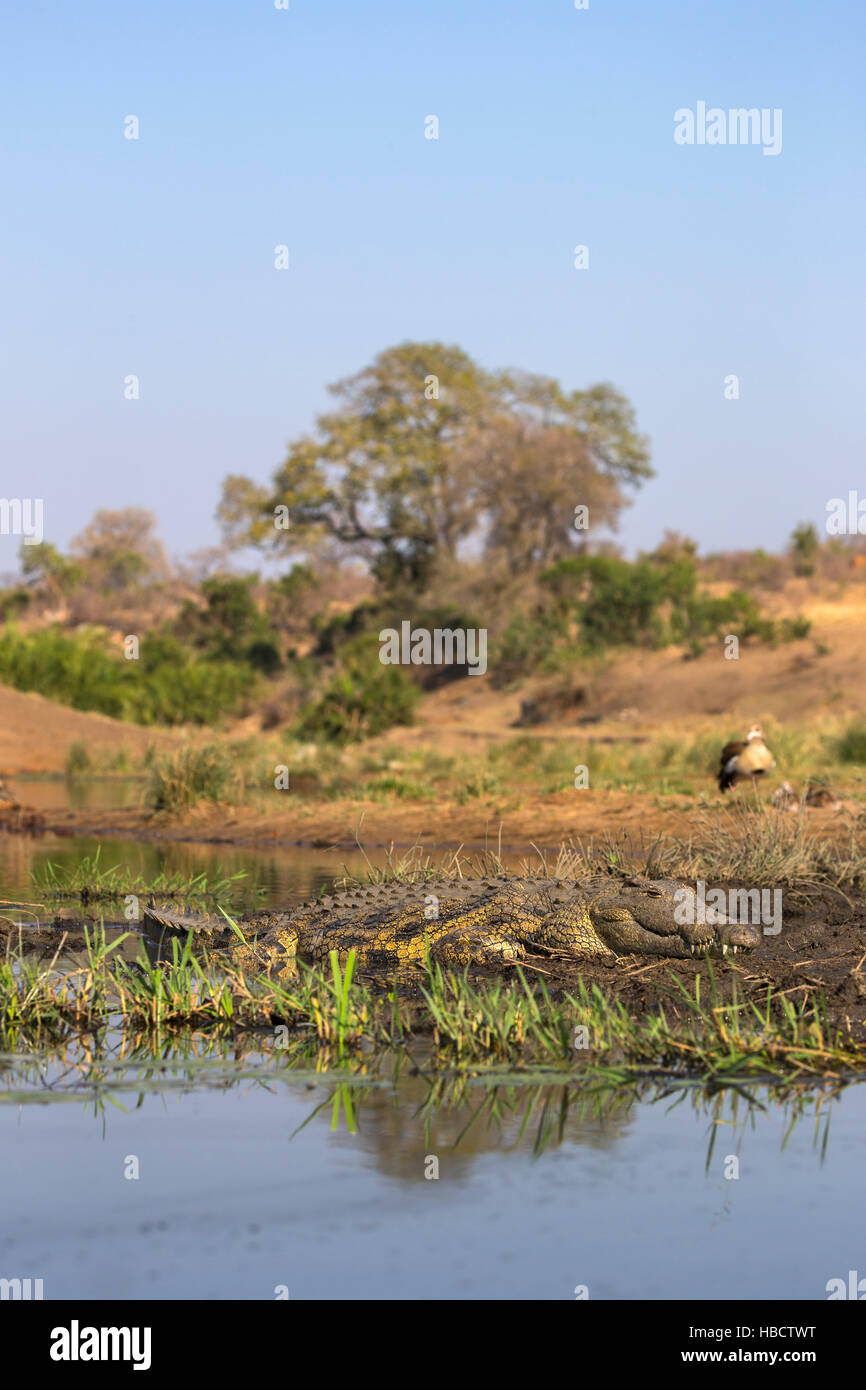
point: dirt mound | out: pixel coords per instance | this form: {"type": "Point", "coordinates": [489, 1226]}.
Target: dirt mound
{"type": "Point", "coordinates": [35, 734]}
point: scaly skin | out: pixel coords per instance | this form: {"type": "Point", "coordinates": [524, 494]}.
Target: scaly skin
{"type": "Point", "coordinates": [462, 922]}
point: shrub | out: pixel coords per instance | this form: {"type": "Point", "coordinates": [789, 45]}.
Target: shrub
{"type": "Point", "coordinates": [595, 602]}
{"type": "Point", "coordinates": [13, 602]}
{"type": "Point", "coordinates": [78, 761]}
{"type": "Point", "coordinates": [363, 698]}
{"type": "Point", "coordinates": [805, 548]}
{"type": "Point", "coordinates": [179, 780]}
{"type": "Point", "coordinates": [165, 685]}
{"type": "Point", "coordinates": [230, 627]}
{"type": "Point", "coordinates": [527, 645]}
{"type": "Point", "coordinates": [850, 747]}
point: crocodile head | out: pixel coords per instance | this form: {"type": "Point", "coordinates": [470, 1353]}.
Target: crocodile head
{"type": "Point", "coordinates": [646, 916]}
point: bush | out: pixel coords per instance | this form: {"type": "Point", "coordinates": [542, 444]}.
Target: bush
{"type": "Point", "coordinates": [362, 699]}
{"type": "Point", "coordinates": [618, 603]}
{"type": "Point", "coordinates": [14, 602]}
{"type": "Point", "coordinates": [805, 548]}
{"type": "Point", "coordinates": [702, 617]}
{"type": "Point", "coordinates": [179, 780]}
{"type": "Point", "coordinates": [78, 761]}
{"type": "Point", "coordinates": [337, 630]}
{"type": "Point", "coordinates": [794, 629]}
{"type": "Point", "coordinates": [526, 646]}
{"type": "Point", "coordinates": [851, 746]}
{"type": "Point", "coordinates": [596, 602]}
{"type": "Point", "coordinates": [230, 627]}
{"type": "Point", "coordinates": [165, 685]}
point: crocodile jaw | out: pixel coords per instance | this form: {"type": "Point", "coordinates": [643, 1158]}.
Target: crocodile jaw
{"type": "Point", "coordinates": [641, 917]}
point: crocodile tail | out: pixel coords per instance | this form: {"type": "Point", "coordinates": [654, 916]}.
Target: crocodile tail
{"type": "Point", "coordinates": [156, 921]}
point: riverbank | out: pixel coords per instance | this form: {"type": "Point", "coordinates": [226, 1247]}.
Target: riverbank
{"type": "Point", "coordinates": [596, 816]}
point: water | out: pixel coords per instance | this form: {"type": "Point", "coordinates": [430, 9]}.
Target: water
{"type": "Point", "coordinates": [94, 794]}
{"type": "Point", "coordinates": [254, 1178]}
{"type": "Point", "coordinates": [272, 876]}
{"type": "Point", "coordinates": [252, 1186]}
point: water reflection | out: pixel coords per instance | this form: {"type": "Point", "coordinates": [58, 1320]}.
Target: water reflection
{"type": "Point", "coordinates": [403, 1110]}
{"type": "Point", "coordinates": [274, 877]}
{"type": "Point", "coordinates": [95, 793]}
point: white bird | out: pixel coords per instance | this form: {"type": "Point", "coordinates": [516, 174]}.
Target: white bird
{"type": "Point", "coordinates": [747, 760]}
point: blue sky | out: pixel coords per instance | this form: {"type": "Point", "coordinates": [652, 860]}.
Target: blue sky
{"type": "Point", "coordinates": [306, 127]}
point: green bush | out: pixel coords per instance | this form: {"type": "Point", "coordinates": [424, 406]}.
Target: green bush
{"type": "Point", "coordinates": [230, 628]}
{"type": "Point", "coordinates": [851, 746]}
{"type": "Point", "coordinates": [337, 630]}
{"type": "Point", "coordinates": [793, 629]}
{"type": "Point", "coordinates": [594, 602]}
{"type": "Point", "coordinates": [703, 617]}
{"type": "Point", "coordinates": [362, 699]}
{"type": "Point", "coordinates": [165, 685]}
{"type": "Point", "coordinates": [805, 548]}
{"type": "Point", "coordinates": [14, 602]}
{"type": "Point", "coordinates": [78, 761]}
{"type": "Point", "coordinates": [527, 645]}
{"type": "Point", "coordinates": [179, 780]}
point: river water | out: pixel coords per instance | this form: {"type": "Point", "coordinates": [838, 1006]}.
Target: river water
{"type": "Point", "coordinates": [210, 1174]}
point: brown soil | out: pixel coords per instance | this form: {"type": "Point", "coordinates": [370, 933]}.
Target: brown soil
{"type": "Point", "coordinates": [545, 822]}
{"type": "Point", "coordinates": [35, 733]}
{"type": "Point", "coordinates": [824, 673]}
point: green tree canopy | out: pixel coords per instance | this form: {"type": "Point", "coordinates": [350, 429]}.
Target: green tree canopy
{"type": "Point", "coordinates": [46, 568]}
{"type": "Point", "coordinates": [426, 451]}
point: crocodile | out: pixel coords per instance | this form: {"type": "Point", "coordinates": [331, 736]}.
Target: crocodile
{"type": "Point", "coordinates": [462, 922]}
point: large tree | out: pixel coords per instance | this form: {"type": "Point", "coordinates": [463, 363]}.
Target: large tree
{"type": "Point", "coordinates": [426, 451]}
{"type": "Point", "coordinates": [120, 549]}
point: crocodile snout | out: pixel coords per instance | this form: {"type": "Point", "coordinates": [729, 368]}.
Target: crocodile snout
{"type": "Point", "coordinates": [667, 917]}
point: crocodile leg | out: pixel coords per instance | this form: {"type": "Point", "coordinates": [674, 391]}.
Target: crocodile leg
{"type": "Point", "coordinates": [566, 927]}
{"type": "Point", "coordinates": [492, 934]}
{"type": "Point", "coordinates": [277, 952]}
{"type": "Point", "coordinates": [494, 946]}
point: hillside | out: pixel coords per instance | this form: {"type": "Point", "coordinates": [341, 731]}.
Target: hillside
{"type": "Point", "coordinates": [480, 762]}
{"type": "Point", "coordinates": [35, 734]}
{"type": "Point", "coordinates": [819, 675]}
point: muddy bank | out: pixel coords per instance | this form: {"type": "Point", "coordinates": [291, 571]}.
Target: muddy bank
{"type": "Point", "coordinates": [542, 821]}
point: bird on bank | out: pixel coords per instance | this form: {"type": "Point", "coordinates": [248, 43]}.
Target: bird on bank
{"type": "Point", "coordinates": [746, 761]}
{"type": "Point", "coordinates": [815, 794]}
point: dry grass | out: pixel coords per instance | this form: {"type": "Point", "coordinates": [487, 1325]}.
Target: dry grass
{"type": "Point", "coordinates": [747, 843]}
